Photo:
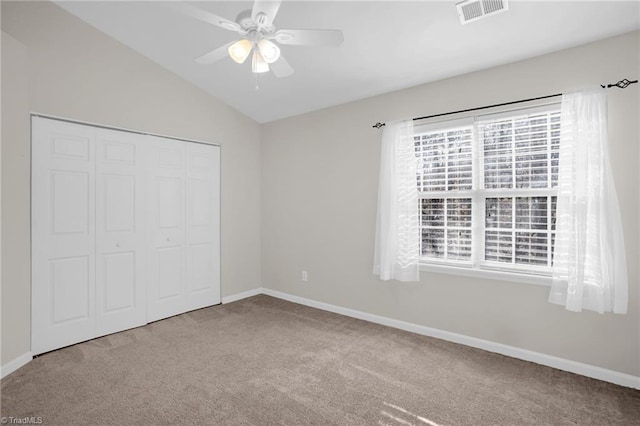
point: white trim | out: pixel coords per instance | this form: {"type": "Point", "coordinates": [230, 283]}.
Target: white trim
{"type": "Point", "coordinates": [539, 358]}
{"type": "Point", "coordinates": [514, 277]}
{"type": "Point", "coordinates": [544, 107]}
{"type": "Point", "coordinates": [121, 129]}
{"type": "Point", "coordinates": [587, 370]}
{"type": "Point", "coordinates": [243, 295]}
{"type": "Point", "coordinates": [443, 125]}
{"type": "Point", "coordinates": [16, 363]}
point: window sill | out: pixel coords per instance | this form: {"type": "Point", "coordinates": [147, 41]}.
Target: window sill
{"type": "Point", "coordinates": [487, 274]}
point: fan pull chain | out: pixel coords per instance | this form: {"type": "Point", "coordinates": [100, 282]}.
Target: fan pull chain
{"type": "Point", "coordinates": [257, 85]}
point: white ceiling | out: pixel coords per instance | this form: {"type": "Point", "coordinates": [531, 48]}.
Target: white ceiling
{"type": "Point", "coordinates": [389, 45]}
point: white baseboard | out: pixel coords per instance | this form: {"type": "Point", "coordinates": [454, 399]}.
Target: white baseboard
{"type": "Point", "coordinates": [25, 358]}
{"type": "Point", "coordinates": [13, 365]}
{"type": "Point", "coordinates": [243, 295]}
{"type": "Point", "coordinates": [512, 351]}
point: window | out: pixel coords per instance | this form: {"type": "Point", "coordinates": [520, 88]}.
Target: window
{"type": "Point", "coordinates": [488, 191]}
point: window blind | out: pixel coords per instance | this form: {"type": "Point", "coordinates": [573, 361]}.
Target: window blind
{"type": "Point", "coordinates": [488, 190]}
{"type": "Point", "coordinates": [445, 160]}
{"type": "Point", "coordinates": [521, 152]}
{"type": "Point", "coordinates": [446, 228]}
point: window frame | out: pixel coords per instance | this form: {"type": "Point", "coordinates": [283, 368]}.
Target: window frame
{"type": "Point", "coordinates": [478, 266]}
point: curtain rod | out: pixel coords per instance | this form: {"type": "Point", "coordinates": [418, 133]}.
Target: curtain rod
{"type": "Point", "coordinates": [622, 84]}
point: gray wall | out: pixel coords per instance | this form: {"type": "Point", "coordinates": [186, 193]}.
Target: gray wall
{"type": "Point", "coordinates": [319, 189]}
{"type": "Point", "coordinates": [16, 290]}
{"type": "Point", "coordinates": [53, 63]}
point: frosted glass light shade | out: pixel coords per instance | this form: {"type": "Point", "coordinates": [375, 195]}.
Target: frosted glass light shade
{"type": "Point", "coordinates": [239, 51]}
{"type": "Point", "coordinates": [269, 50]}
{"type": "Point", "coordinates": [259, 65]}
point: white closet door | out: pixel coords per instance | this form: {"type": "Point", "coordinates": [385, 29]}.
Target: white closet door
{"type": "Point", "coordinates": [63, 234]}
{"type": "Point", "coordinates": [120, 230]}
{"type": "Point", "coordinates": [203, 225]}
{"type": "Point", "coordinates": [166, 287]}
{"type": "Point", "coordinates": [125, 230]}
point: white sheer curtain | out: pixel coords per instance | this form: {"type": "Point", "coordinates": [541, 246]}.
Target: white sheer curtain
{"type": "Point", "coordinates": [589, 267]}
{"type": "Point", "coordinates": [397, 246]}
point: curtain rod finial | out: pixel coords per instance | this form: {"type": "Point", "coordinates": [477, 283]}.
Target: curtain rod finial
{"type": "Point", "coordinates": [378, 125]}
{"type": "Point", "coordinates": [622, 84]}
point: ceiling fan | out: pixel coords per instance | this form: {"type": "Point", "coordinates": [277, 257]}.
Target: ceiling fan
{"type": "Point", "coordinates": [258, 34]}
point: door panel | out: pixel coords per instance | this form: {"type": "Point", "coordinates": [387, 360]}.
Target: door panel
{"type": "Point", "coordinates": [166, 229]}
{"type": "Point", "coordinates": [119, 153]}
{"type": "Point", "coordinates": [121, 234]}
{"type": "Point", "coordinates": [120, 281]}
{"type": "Point", "coordinates": [70, 289]}
{"type": "Point", "coordinates": [203, 225]}
{"type": "Point", "coordinates": [202, 270]}
{"type": "Point", "coordinates": [66, 145]}
{"type": "Point", "coordinates": [120, 203]}
{"type": "Point", "coordinates": [170, 273]}
{"type": "Point", "coordinates": [170, 202]}
{"type": "Point", "coordinates": [201, 208]}
{"type": "Point", "coordinates": [63, 234]}
{"type": "Point", "coordinates": [70, 202]}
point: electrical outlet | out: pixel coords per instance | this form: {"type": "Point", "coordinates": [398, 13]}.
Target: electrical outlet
{"type": "Point", "coordinates": [305, 276]}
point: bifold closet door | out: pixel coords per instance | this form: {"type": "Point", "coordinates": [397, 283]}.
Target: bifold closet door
{"type": "Point", "coordinates": [203, 226]}
{"type": "Point", "coordinates": [125, 230]}
{"type": "Point", "coordinates": [166, 229]}
{"type": "Point", "coordinates": [63, 234]}
{"type": "Point", "coordinates": [121, 244]}
{"type": "Point", "coordinates": [88, 233]}
{"type": "Point", "coordinates": [184, 227]}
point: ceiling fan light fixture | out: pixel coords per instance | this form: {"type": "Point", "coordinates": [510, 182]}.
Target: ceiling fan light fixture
{"type": "Point", "coordinates": [260, 36]}
{"type": "Point", "coordinates": [239, 51]}
{"type": "Point", "coordinates": [259, 65]}
{"type": "Point", "coordinates": [269, 50]}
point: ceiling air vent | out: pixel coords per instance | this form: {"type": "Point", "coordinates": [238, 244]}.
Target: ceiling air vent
{"type": "Point", "coordinates": [472, 10]}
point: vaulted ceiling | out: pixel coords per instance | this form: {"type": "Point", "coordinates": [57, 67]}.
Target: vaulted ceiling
{"type": "Point", "coordinates": [388, 45]}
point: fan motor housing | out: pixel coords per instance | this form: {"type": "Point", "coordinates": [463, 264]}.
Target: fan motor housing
{"type": "Point", "coordinates": [247, 23]}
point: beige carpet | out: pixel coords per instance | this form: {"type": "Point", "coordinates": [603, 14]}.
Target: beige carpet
{"type": "Point", "coordinates": [263, 361]}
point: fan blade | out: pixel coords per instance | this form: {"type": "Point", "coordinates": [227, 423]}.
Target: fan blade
{"type": "Point", "coordinates": [215, 54]}
{"type": "Point", "coordinates": [309, 37]}
{"type": "Point", "coordinates": [281, 68]}
{"type": "Point", "coordinates": [267, 7]}
{"type": "Point", "coordinates": [205, 16]}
